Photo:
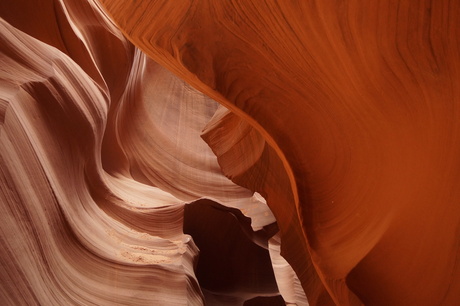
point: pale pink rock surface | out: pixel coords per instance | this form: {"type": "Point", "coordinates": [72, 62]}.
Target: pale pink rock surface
{"type": "Point", "coordinates": [100, 151]}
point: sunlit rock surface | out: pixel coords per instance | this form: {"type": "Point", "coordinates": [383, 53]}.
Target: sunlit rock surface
{"type": "Point", "coordinates": [329, 173]}
{"type": "Point", "coordinates": [100, 151]}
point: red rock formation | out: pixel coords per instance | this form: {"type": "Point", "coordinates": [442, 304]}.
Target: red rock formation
{"type": "Point", "coordinates": [359, 102]}
{"type": "Point", "coordinates": [100, 150]}
{"type": "Point", "coordinates": [341, 114]}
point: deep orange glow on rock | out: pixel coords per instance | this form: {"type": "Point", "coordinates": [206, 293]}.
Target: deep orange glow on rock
{"type": "Point", "coordinates": [333, 152]}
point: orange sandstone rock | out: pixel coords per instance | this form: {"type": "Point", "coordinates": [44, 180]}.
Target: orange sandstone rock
{"type": "Point", "coordinates": [359, 104]}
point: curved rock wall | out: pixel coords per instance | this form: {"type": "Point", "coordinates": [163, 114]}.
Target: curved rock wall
{"type": "Point", "coordinates": [331, 163]}
{"type": "Point", "coordinates": [360, 103]}
{"type": "Point", "coordinates": [100, 151]}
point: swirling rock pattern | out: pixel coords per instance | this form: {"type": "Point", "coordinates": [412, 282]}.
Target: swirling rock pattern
{"type": "Point", "coordinates": [359, 102]}
{"type": "Point", "coordinates": [341, 115]}
{"type": "Point", "coordinates": [100, 151]}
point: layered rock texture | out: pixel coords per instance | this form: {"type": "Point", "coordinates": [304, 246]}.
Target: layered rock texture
{"type": "Point", "coordinates": [157, 152]}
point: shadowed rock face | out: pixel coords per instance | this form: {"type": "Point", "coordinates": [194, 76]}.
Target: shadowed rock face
{"type": "Point", "coordinates": [218, 230]}
{"type": "Point", "coordinates": [359, 104]}
{"type": "Point", "coordinates": [341, 115]}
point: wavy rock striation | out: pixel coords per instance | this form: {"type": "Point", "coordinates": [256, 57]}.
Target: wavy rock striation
{"type": "Point", "coordinates": [358, 103]}
{"type": "Point", "coordinates": [328, 174]}
{"type": "Point", "coordinates": [100, 151]}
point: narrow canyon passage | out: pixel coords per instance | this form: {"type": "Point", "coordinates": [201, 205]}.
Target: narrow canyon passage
{"type": "Point", "coordinates": [157, 152]}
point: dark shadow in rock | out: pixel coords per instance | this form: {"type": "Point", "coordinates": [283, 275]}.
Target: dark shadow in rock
{"type": "Point", "coordinates": [266, 301]}
{"type": "Point", "coordinates": [230, 263]}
